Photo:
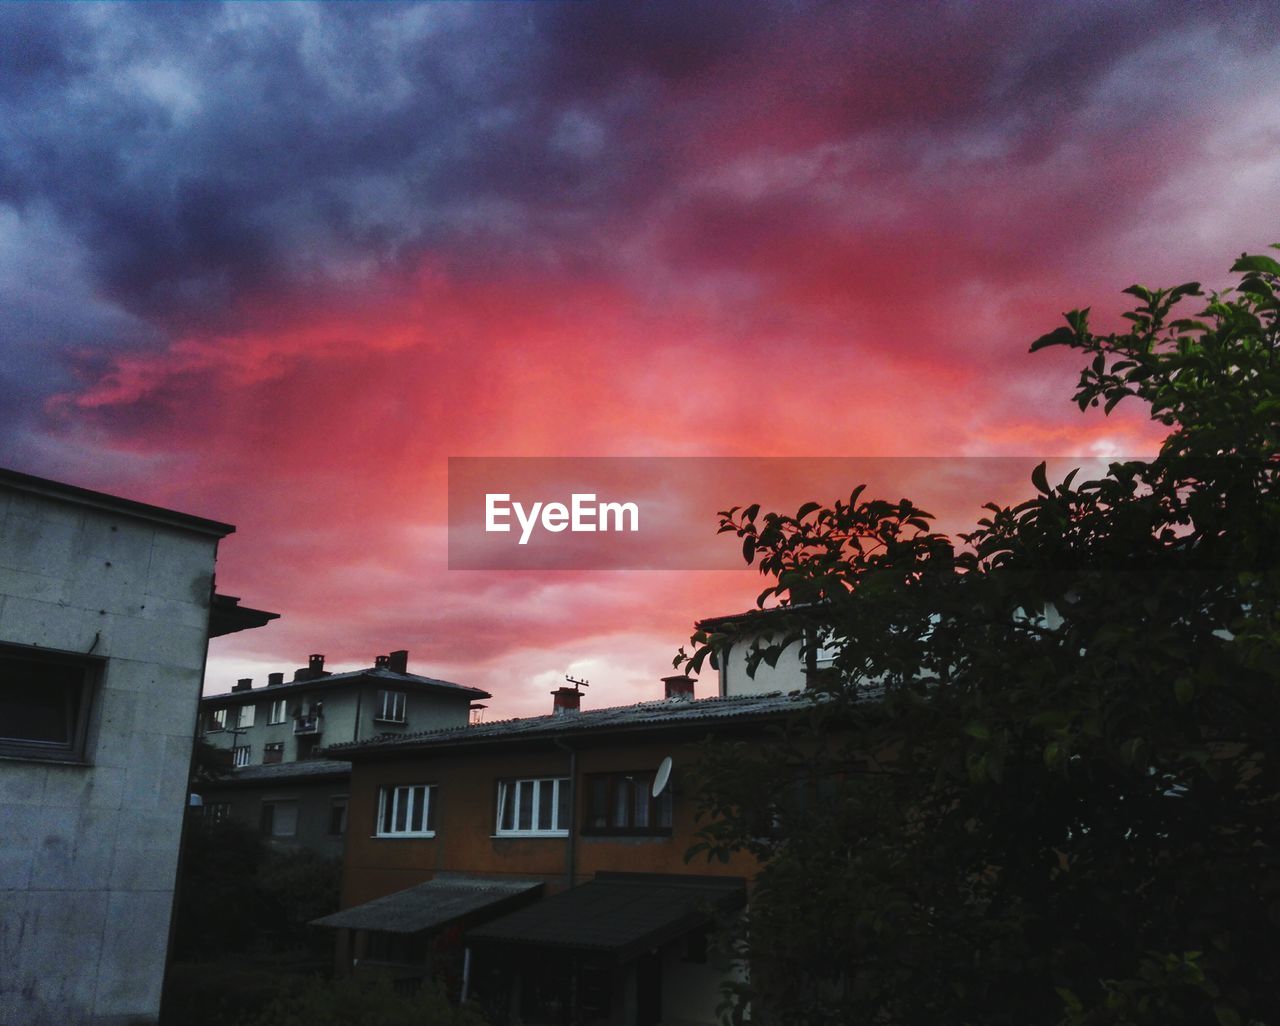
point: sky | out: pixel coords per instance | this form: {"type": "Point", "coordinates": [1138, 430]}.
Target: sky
{"type": "Point", "coordinates": [275, 263]}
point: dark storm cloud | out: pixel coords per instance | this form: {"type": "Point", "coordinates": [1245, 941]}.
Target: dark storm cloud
{"type": "Point", "coordinates": [199, 153]}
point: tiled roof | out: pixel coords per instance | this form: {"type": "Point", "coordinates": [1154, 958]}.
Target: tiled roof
{"type": "Point", "coordinates": [435, 903]}
{"type": "Point", "coordinates": [301, 769]}
{"type": "Point", "coordinates": [665, 713]}
{"type": "Point", "coordinates": [624, 914]}
{"type": "Point", "coordinates": [373, 675]}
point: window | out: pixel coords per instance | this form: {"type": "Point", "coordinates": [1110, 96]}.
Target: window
{"type": "Point", "coordinates": [279, 819]}
{"type": "Point", "coordinates": [216, 812]}
{"type": "Point", "coordinates": [623, 803]}
{"type": "Point", "coordinates": [276, 711]}
{"type": "Point", "coordinates": [533, 806]}
{"type": "Point", "coordinates": [217, 720]}
{"type": "Point", "coordinates": [44, 703]}
{"type": "Point", "coordinates": [338, 817]}
{"type": "Point", "coordinates": [246, 716]}
{"type": "Point", "coordinates": [273, 752]}
{"type": "Point", "coordinates": [391, 706]}
{"type": "Point", "coordinates": [408, 811]}
{"type": "Point", "coordinates": [240, 755]}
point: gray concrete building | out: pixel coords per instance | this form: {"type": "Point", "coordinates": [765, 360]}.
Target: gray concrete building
{"type": "Point", "coordinates": [106, 609]}
{"type": "Point", "coordinates": [273, 736]}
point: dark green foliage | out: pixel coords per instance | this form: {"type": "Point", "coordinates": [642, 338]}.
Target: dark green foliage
{"type": "Point", "coordinates": [1040, 785]}
{"type": "Point", "coordinates": [239, 894]}
{"type": "Point", "coordinates": [361, 1002]}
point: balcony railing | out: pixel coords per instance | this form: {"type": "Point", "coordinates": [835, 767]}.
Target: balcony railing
{"type": "Point", "coordinates": [312, 723]}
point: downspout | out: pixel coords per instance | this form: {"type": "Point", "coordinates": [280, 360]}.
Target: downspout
{"type": "Point", "coordinates": [571, 848]}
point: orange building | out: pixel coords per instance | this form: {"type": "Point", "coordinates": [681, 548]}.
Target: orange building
{"type": "Point", "coordinates": [540, 862]}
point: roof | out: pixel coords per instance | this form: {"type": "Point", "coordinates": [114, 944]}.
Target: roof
{"type": "Point", "coordinates": [112, 503]}
{"type": "Point", "coordinates": [432, 904]}
{"type": "Point", "coordinates": [279, 771]}
{"type": "Point", "coordinates": [671, 712]}
{"type": "Point", "coordinates": [373, 674]}
{"type": "Point", "coordinates": [713, 623]}
{"type": "Point", "coordinates": [622, 914]}
{"type": "Point", "coordinates": [227, 616]}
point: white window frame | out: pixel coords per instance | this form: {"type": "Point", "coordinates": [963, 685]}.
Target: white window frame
{"type": "Point", "coordinates": [509, 792]}
{"type": "Point", "coordinates": [246, 716]}
{"type": "Point", "coordinates": [409, 797]}
{"type": "Point", "coordinates": [241, 755]}
{"type": "Point", "coordinates": [278, 711]}
{"type": "Point", "coordinates": [392, 706]}
{"type": "Point", "coordinates": [217, 720]}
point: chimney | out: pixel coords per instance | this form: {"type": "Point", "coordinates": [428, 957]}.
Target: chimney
{"type": "Point", "coordinates": [382, 662]}
{"type": "Point", "coordinates": [274, 678]}
{"type": "Point", "coordinates": [317, 665]}
{"type": "Point", "coordinates": [679, 688]}
{"type": "Point", "coordinates": [243, 684]}
{"type": "Point", "coordinates": [398, 661]}
{"type": "Point", "coordinates": [566, 700]}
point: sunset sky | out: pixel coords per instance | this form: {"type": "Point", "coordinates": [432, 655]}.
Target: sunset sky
{"type": "Point", "coordinates": [274, 263]}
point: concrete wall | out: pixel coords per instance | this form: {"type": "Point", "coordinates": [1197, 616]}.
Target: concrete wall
{"type": "Point", "coordinates": [88, 852]}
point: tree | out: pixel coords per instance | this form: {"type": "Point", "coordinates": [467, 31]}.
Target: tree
{"type": "Point", "coordinates": [1040, 784]}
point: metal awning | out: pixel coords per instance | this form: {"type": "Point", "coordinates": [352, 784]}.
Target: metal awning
{"type": "Point", "coordinates": [433, 904]}
{"type": "Point", "coordinates": [621, 914]}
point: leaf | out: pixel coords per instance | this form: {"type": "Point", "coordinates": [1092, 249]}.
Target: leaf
{"type": "Point", "coordinates": [1057, 337]}
{"type": "Point", "coordinates": [1226, 1015]}
{"type": "Point", "coordinates": [1040, 479]}
{"type": "Point", "coordinates": [979, 730]}
{"type": "Point", "coordinates": [751, 511]}
{"type": "Point", "coordinates": [806, 509]}
{"type": "Point", "coordinates": [749, 548]}
{"type": "Point", "coordinates": [1265, 264]}
{"type": "Point", "coordinates": [1184, 690]}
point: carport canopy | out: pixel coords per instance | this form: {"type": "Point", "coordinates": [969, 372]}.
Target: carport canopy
{"type": "Point", "coordinates": [436, 903]}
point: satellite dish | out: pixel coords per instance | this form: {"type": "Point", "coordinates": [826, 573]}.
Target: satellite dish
{"type": "Point", "coordinates": [662, 777]}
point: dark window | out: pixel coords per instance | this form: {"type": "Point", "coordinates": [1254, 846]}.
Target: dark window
{"type": "Point", "coordinates": [407, 811]}
{"type": "Point", "coordinates": [273, 752]}
{"type": "Point", "coordinates": [280, 819]}
{"type": "Point", "coordinates": [338, 818]}
{"type": "Point", "coordinates": [391, 706]}
{"type": "Point", "coordinates": [44, 703]}
{"type": "Point", "coordinates": [216, 812]}
{"type": "Point", "coordinates": [623, 803]}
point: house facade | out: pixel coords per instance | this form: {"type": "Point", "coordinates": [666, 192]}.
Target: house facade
{"type": "Point", "coordinates": [271, 738]}
{"type": "Point", "coordinates": [797, 665]}
{"type": "Point", "coordinates": [106, 609]}
{"type": "Point", "coordinates": [582, 819]}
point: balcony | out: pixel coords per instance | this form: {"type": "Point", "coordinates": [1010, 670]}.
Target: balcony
{"type": "Point", "coordinates": [312, 723]}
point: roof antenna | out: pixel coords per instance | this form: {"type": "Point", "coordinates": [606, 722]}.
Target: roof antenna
{"type": "Point", "coordinates": [578, 685]}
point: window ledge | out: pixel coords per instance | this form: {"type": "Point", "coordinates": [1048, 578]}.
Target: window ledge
{"type": "Point", "coordinates": [403, 836]}
{"type": "Point", "coordinates": [525, 834]}
{"type": "Point", "coordinates": [380, 719]}
{"type": "Point", "coordinates": [44, 760]}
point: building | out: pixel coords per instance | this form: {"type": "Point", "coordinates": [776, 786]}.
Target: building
{"type": "Point", "coordinates": [797, 665]}
{"type": "Point", "coordinates": [540, 862]}
{"type": "Point", "coordinates": [106, 609]}
{"type": "Point", "coordinates": [271, 737]}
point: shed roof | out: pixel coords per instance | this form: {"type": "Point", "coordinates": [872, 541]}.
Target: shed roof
{"type": "Point", "coordinates": [621, 914]}
{"type": "Point", "coordinates": [433, 904]}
